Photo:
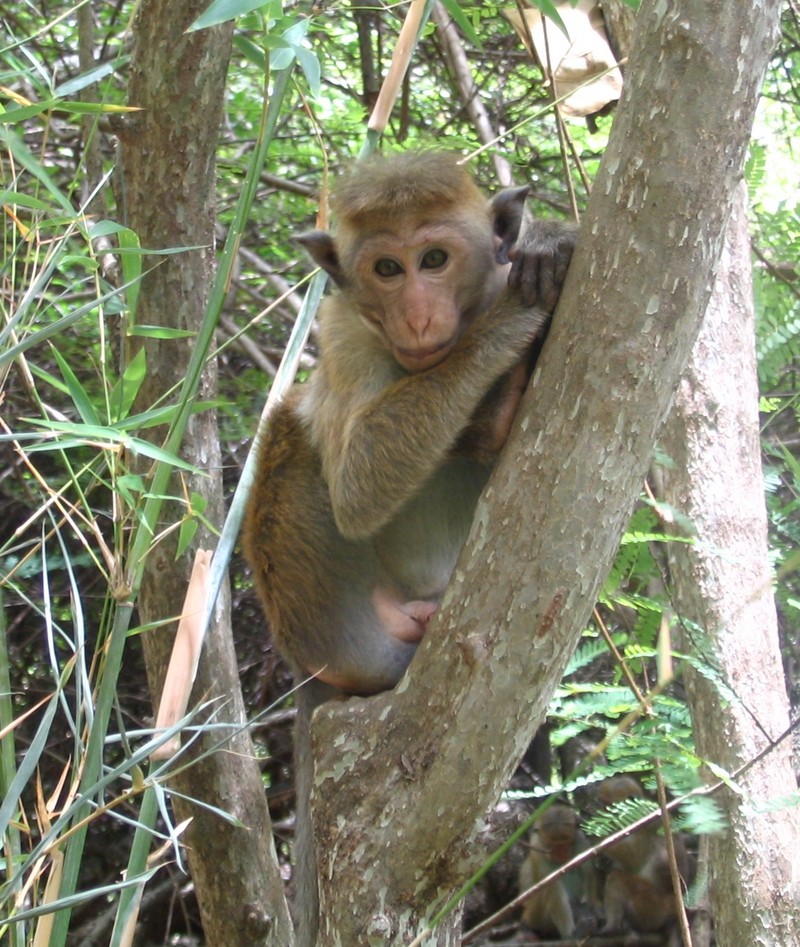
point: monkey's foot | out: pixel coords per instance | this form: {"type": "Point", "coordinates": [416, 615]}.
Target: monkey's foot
{"type": "Point", "coordinates": [406, 621]}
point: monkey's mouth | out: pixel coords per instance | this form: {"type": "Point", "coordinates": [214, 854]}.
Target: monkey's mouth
{"type": "Point", "coordinates": [417, 360]}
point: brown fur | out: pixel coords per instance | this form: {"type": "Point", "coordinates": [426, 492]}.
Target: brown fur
{"type": "Point", "coordinates": [369, 474]}
{"type": "Point", "coordinates": [555, 840]}
{"type": "Point", "coordinates": [637, 885]}
{"type": "Point", "coordinates": [417, 180]}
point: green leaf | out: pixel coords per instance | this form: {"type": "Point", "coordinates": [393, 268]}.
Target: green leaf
{"type": "Point", "coordinates": [138, 446]}
{"type": "Point", "coordinates": [296, 33]}
{"type": "Point", "coordinates": [29, 761]}
{"type": "Point", "coordinates": [22, 200]}
{"type": "Point", "coordinates": [281, 56]}
{"type": "Point", "coordinates": [159, 332]}
{"type": "Point", "coordinates": [98, 894]}
{"type": "Point", "coordinates": [220, 11]}
{"type": "Point", "coordinates": [131, 268]}
{"type": "Point", "coordinates": [130, 487]}
{"type": "Point", "coordinates": [105, 228]}
{"type": "Point", "coordinates": [56, 383]}
{"type": "Point", "coordinates": [548, 8]}
{"type": "Point", "coordinates": [251, 51]}
{"type": "Point", "coordinates": [23, 156]}
{"type": "Point", "coordinates": [24, 112]}
{"type": "Point", "coordinates": [186, 534]}
{"type": "Point", "coordinates": [77, 392]}
{"type": "Point", "coordinates": [453, 7]}
{"type": "Point", "coordinates": [83, 434]}
{"type": "Point", "coordinates": [88, 78]}
{"type": "Point", "coordinates": [163, 415]}
{"type": "Point", "coordinates": [124, 392]}
{"type": "Point", "coordinates": [309, 63]}
{"type": "Point", "coordinates": [188, 528]}
{"type": "Point", "coordinates": [86, 263]}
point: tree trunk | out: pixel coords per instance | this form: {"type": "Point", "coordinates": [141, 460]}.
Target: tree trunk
{"type": "Point", "coordinates": [398, 806]}
{"type": "Point", "coordinates": [167, 163]}
{"type": "Point", "coordinates": [723, 584]}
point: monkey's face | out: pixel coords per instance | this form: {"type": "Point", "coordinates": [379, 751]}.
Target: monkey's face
{"type": "Point", "coordinates": [418, 287]}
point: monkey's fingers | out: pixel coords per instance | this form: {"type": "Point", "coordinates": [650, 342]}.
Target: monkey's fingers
{"type": "Point", "coordinates": [564, 250]}
{"type": "Point", "coordinates": [548, 288]}
{"type": "Point", "coordinates": [534, 279]}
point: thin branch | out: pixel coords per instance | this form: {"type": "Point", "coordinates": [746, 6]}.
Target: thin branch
{"type": "Point", "coordinates": [468, 90]}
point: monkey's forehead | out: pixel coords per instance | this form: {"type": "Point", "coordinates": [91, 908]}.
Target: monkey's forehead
{"type": "Point", "coordinates": [417, 230]}
{"type": "Point", "coordinates": [404, 182]}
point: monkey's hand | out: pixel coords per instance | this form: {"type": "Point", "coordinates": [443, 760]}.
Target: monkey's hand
{"type": "Point", "coordinates": [540, 261]}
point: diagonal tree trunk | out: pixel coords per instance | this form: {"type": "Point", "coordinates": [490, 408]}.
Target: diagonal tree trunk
{"type": "Point", "coordinates": [398, 807]}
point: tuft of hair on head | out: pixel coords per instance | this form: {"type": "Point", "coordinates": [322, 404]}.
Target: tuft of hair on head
{"type": "Point", "coordinates": [412, 180]}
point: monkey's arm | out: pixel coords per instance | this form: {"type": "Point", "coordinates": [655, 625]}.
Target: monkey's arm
{"type": "Point", "coordinates": [380, 445]}
{"type": "Point", "coordinates": [378, 452]}
{"type": "Point", "coordinates": [540, 263]}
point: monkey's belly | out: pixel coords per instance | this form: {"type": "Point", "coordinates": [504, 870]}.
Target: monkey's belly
{"type": "Point", "coordinates": [418, 550]}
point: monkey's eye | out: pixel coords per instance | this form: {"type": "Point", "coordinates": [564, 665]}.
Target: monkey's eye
{"type": "Point", "coordinates": [387, 267]}
{"type": "Point", "coordinates": [433, 259]}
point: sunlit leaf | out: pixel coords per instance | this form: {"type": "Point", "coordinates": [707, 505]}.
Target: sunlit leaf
{"type": "Point", "coordinates": [186, 534]}
{"type": "Point", "coordinates": [220, 11]}
{"type": "Point", "coordinates": [250, 50]}
{"type": "Point", "coordinates": [309, 63]}
{"type": "Point", "coordinates": [22, 200]}
{"type": "Point", "coordinates": [83, 434]}
{"type": "Point", "coordinates": [130, 487]}
{"type": "Point", "coordinates": [159, 332]}
{"type": "Point", "coordinates": [22, 113]}
{"type": "Point", "coordinates": [88, 78]}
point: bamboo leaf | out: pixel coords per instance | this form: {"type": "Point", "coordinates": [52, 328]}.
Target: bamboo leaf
{"type": "Point", "coordinates": [220, 11]}
{"type": "Point", "coordinates": [77, 392]}
{"type": "Point", "coordinates": [124, 392]}
{"type": "Point", "coordinates": [82, 434]}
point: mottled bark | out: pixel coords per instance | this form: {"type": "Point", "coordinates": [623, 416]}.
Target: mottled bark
{"type": "Point", "coordinates": [723, 584]}
{"type": "Point", "coordinates": [167, 197]}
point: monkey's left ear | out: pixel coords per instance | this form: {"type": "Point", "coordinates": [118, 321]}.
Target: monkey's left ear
{"type": "Point", "coordinates": [507, 208]}
{"type": "Point", "coordinates": [322, 250]}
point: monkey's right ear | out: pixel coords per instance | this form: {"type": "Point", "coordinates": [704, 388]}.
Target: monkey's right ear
{"type": "Point", "coordinates": [507, 208]}
{"type": "Point", "coordinates": [320, 247]}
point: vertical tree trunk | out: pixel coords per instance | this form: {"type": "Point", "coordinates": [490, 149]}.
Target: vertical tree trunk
{"type": "Point", "coordinates": [167, 163]}
{"type": "Point", "coordinates": [723, 584]}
